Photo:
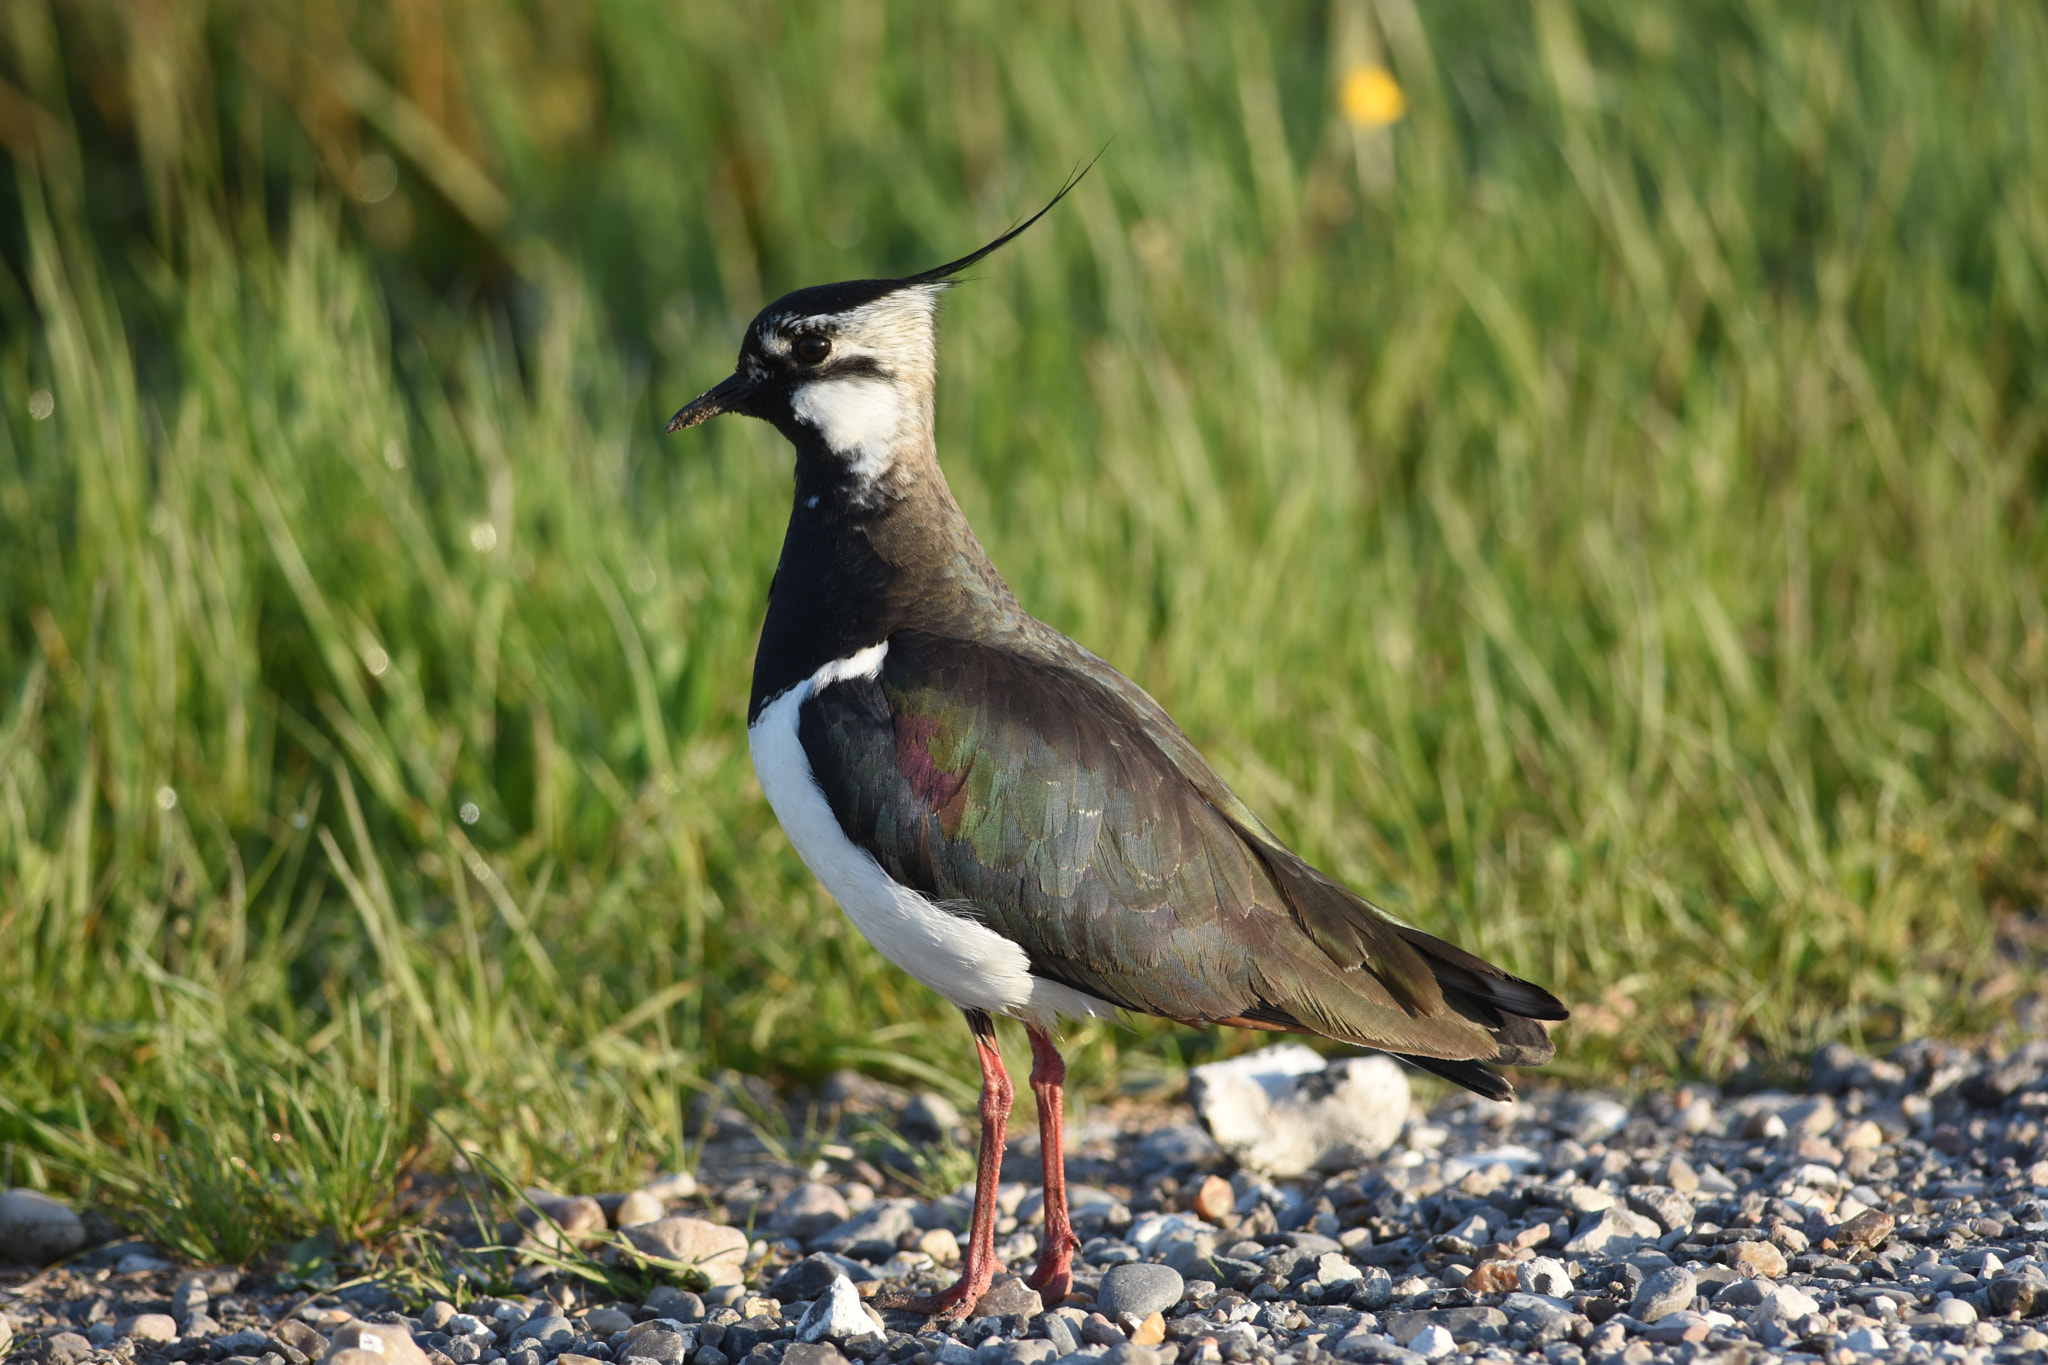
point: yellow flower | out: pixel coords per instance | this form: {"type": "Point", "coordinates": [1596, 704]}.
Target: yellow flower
{"type": "Point", "coordinates": [1370, 96]}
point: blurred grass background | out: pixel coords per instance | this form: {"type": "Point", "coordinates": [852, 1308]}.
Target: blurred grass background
{"type": "Point", "coordinates": [1598, 515]}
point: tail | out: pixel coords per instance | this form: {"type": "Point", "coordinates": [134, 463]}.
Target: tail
{"type": "Point", "coordinates": [1426, 1001]}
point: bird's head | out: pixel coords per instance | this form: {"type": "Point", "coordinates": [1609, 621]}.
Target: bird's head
{"type": "Point", "coordinates": [851, 366]}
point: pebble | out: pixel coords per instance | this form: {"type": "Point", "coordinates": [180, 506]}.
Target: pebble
{"type": "Point", "coordinates": [1258, 1110]}
{"type": "Point", "coordinates": [1905, 1219]}
{"type": "Point", "coordinates": [808, 1210]}
{"type": "Point", "coordinates": [1140, 1289]}
{"type": "Point", "coordinates": [837, 1314]}
{"type": "Point", "coordinates": [638, 1207]}
{"type": "Point", "coordinates": [1663, 1293]}
{"type": "Point", "coordinates": [1757, 1259]}
{"type": "Point", "coordinates": [148, 1327]}
{"type": "Point", "coordinates": [36, 1229]}
{"type": "Point", "coordinates": [718, 1252]}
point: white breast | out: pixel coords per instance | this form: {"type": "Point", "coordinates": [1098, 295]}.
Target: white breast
{"type": "Point", "coordinates": [965, 961]}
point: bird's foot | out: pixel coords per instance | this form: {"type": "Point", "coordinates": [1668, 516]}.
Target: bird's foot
{"type": "Point", "coordinates": [954, 1302]}
{"type": "Point", "coordinates": [1053, 1282]}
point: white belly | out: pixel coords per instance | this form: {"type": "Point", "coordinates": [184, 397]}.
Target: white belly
{"type": "Point", "coordinates": [965, 961]}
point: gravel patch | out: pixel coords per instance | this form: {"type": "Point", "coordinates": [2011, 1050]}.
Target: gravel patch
{"type": "Point", "coordinates": [1896, 1210]}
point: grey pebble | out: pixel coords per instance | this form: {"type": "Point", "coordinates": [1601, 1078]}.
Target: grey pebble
{"type": "Point", "coordinates": [1663, 1293]}
{"type": "Point", "coordinates": [1139, 1288]}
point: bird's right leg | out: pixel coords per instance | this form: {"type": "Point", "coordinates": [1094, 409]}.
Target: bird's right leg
{"type": "Point", "coordinates": [978, 1262]}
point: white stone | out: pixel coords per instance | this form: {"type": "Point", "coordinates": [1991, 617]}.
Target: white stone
{"type": "Point", "coordinates": [1432, 1343]}
{"type": "Point", "coordinates": [1545, 1275]}
{"type": "Point", "coordinates": [1284, 1111]}
{"type": "Point", "coordinates": [366, 1343]}
{"type": "Point", "coordinates": [837, 1316]}
{"type": "Point", "coordinates": [1149, 1232]}
{"type": "Point", "coordinates": [1867, 1341]}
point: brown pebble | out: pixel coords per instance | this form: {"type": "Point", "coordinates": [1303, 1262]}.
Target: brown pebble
{"type": "Point", "coordinates": [1214, 1199]}
{"type": "Point", "coordinates": [1492, 1277]}
{"type": "Point", "coordinates": [1150, 1332]}
{"type": "Point", "coordinates": [1757, 1260]}
{"type": "Point", "coordinates": [1864, 1233]}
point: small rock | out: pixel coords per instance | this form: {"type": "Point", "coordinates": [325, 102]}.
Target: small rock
{"type": "Point", "coordinates": [1432, 1343]}
{"type": "Point", "coordinates": [1662, 1293]}
{"type": "Point", "coordinates": [606, 1321]}
{"type": "Point", "coordinates": [1139, 1289]}
{"type": "Point", "coordinates": [373, 1343]}
{"type": "Point", "coordinates": [1375, 1289]}
{"type": "Point", "coordinates": [928, 1118]}
{"type": "Point", "coordinates": [1675, 1327]}
{"type": "Point", "coordinates": [1009, 1294]}
{"type": "Point", "coordinates": [667, 1301]}
{"type": "Point", "coordinates": [637, 1208]}
{"type": "Point", "coordinates": [871, 1235]}
{"type": "Point", "coordinates": [710, 1355]}
{"type": "Point", "coordinates": [1754, 1259]}
{"type": "Point", "coordinates": [1598, 1118]}
{"type": "Point", "coordinates": [148, 1327]}
{"type": "Point", "coordinates": [837, 1315]}
{"type": "Point", "coordinates": [1284, 1111]}
{"type": "Point", "coordinates": [198, 1327]}
{"type": "Point", "coordinates": [1610, 1232]}
{"type": "Point", "coordinates": [1062, 1333]}
{"type": "Point", "coordinates": [811, 1208]}
{"type": "Point", "coordinates": [550, 1332]}
{"type": "Point", "coordinates": [1955, 1312]}
{"type": "Point", "coordinates": [188, 1298]}
{"type": "Point", "coordinates": [1096, 1330]}
{"type": "Point", "coordinates": [1131, 1353]}
{"type": "Point", "coordinates": [577, 1216]}
{"type": "Point", "coordinates": [1150, 1331]}
{"type": "Point", "coordinates": [1178, 1144]}
{"type": "Point", "coordinates": [1030, 1351]}
{"type": "Point", "coordinates": [301, 1337]}
{"type": "Point", "coordinates": [1864, 1233]}
{"type": "Point", "coordinates": [658, 1345]}
{"type": "Point", "coordinates": [437, 1315]}
{"type": "Point", "coordinates": [812, 1353]}
{"type": "Point", "coordinates": [672, 1185]}
{"type": "Point", "coordinates": [36, 1229]}
{"type": "Point", "coordinates": [1669, 1209]}
{"type": "Point", "coordinates": [1494, 1277]}
{"type": "Point", "coordinates": [66, 1346]}
{"type": "Point", "coordinates": [2024, 1294]}
{"type": "Point", "coordinates": [717, 1251]}
{"type": "Point", "coordinates": [1546, 1275]}
{"type": "Point", "coordinates": [941, 1245]}
{"type": "Point", "coordinates": [1213, 1199]}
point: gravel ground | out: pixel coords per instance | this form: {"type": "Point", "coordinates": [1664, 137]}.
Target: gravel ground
{"type": "Point", "coordinates": [1896, 1210]}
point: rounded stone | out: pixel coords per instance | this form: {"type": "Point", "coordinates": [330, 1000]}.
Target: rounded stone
{"type": "Point", "coordinates": [1432, 1343]}
{"type": "Point", "coordinates": [1955, 1313]}
{"type": "Point", "coordinates": [149, 1327]}
{"type": "Point", "coordinates": [1663, 1293]}
{"type": "Point", "coordinates": [551, 1330]}
{"type": "Point", "coordinates": [1139, 1288]}
{"type": "Point", "coordinates": [36, 1229]}
{"type": "Point", "coordinates": [605, 1322]}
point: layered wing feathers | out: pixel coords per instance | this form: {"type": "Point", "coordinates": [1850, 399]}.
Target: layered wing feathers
{"type": "Point", "coordinates": [1057, 803]}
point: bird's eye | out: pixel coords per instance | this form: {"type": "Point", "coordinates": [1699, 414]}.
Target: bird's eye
{"type": "Point", "coordinates": [812, 349]}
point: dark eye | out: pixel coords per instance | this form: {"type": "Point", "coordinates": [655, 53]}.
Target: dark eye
{"type": "Point", "coordinates": [812, 349]}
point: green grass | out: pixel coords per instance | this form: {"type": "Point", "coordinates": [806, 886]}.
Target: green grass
{"type": "Point", "coordinates": [1598, 518]}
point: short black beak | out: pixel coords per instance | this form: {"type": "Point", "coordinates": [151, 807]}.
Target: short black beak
{"type": "Point", "coordinates": [729, 395]}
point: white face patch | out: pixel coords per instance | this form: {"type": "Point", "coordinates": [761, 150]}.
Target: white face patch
{"type": "Point", "coordinates": [862, 418]}
{"type": "Point", "coordinates": [867, 419]}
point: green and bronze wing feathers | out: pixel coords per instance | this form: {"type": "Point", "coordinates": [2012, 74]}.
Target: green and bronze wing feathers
{"type": "Point", "coordinates": [1056, 802]}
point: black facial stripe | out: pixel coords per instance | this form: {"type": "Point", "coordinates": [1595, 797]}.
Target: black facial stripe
{"type": "Point", "coordinates": [855, 365]}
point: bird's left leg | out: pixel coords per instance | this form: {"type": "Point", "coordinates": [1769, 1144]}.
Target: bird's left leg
{"type": "Point", "coordinates": [1054, 1276]}
{"type": "Point", "coordinates": [978, 1264]}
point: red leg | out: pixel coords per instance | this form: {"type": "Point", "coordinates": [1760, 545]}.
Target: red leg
{"type": "Point", "coordinates": [979, 1264]}
{"type": "Point", "coordinates": [1054, 1277]}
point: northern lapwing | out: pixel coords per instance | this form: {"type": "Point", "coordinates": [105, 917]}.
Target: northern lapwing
{"type": "Point", "coordinates": [1001, 813]}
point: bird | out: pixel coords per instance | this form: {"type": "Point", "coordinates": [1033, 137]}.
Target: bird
{"type": "Point", "coordinates": [1001, 813]}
